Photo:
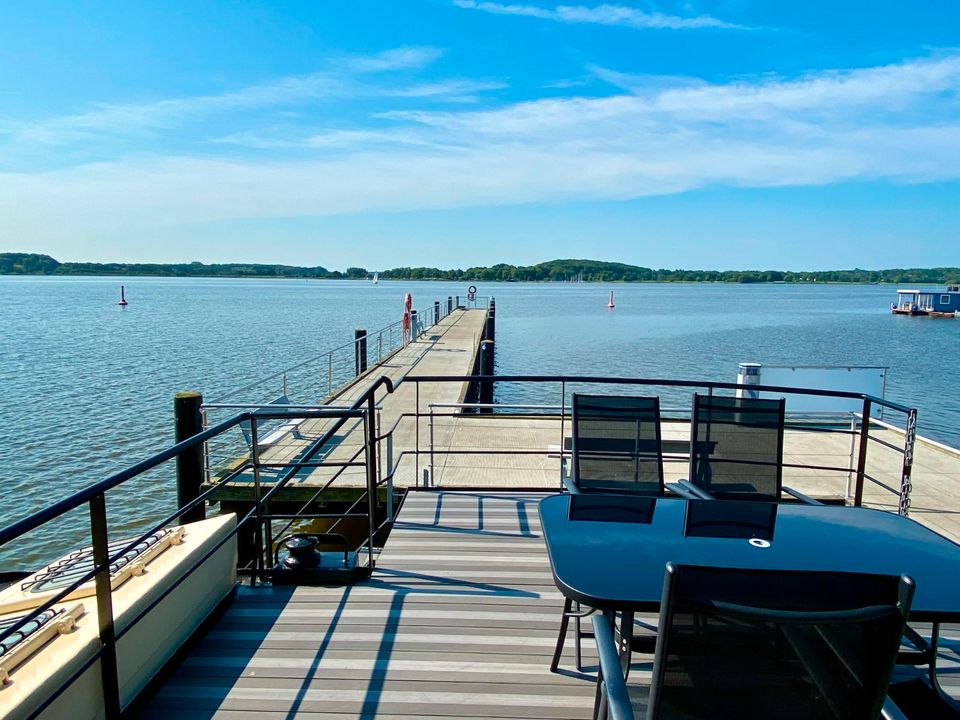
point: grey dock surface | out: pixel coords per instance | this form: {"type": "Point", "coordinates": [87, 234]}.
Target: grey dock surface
{"type": "Point", "coordinates": [448, 348]}
{"type": "Point", "coordinates": [458, 620]}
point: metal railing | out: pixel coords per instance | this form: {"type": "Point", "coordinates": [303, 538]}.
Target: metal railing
{"type": "Point", "coordinates": [319, 377]}
{"type": "Point", "coordinates": [855, 425]}
{"type": "Point", "coordinates": [258, 518]}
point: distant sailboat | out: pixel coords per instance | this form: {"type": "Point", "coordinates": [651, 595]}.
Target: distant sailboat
{"type": "Point", "coordinates": [376, 278]}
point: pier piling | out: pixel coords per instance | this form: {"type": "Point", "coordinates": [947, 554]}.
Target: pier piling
{"type": "Point", "coordinates": [187, 423]}
{"type": "Point", "coordinates": [486, 368]}
{"type": "Point", "coordinates": [360, 351]}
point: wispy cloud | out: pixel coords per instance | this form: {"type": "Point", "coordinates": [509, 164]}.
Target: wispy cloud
{"type": "Point", "coordinates": [344, 78]}
{"type": "Point", "coordinates": [895, 123]}
{"type": "Point", "coordinates": [602, 15]}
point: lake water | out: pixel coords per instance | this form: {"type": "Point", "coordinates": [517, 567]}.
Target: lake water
{"type": "Point", "coordinates": [88, 386]}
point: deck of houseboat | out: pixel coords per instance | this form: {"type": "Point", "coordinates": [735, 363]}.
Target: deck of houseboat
{"type": "Point", "coordinates": [460, 615]}
{"type": "Point", "coordinates": [459, 619]}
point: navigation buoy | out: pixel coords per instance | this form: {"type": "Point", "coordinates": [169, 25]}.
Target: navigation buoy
{"type": "Point", "coordinates": [123, 301]}
{"type": "Point", "coordinates": [610, 304]}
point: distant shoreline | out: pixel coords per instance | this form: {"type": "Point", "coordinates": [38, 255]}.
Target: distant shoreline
{"type": "Point", "coordinates": [575, 271]}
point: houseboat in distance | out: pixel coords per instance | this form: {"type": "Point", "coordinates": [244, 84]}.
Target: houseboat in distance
{"type": "Point", "coordinates": [931, 303]}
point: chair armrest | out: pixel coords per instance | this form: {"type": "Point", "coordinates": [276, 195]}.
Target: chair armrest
{"type": "Point", "coordinates": [800, 496]}
{"type": "Point", "coordinates": [618, 699]}
{"type": "Point", "coordinates": [686, 489]}
{"type": "Point", "coordinates": [889, 711]}
{"type": "Point", "coordinates": [571, 486]}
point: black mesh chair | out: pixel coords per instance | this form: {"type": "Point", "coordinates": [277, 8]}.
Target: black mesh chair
{"type": "Point", "coordinates": [616, 445]}
{"type": "Point", "coordinates": [616, 449]}
{"type": "Point", "coordinates": [748, 644]}
{"type": "Point", "coordinates": [736, 450]}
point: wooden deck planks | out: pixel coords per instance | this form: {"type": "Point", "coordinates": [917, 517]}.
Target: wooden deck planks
{"type": "Point", "coordinates": [459, 620]}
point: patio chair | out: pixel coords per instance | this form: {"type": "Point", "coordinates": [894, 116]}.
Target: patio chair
{"type": "Point", "coordinates": [616, 449]}
{"type": "Point", "coordinates": [736, 450]}
{"type": "Point", "coordinates": [750, 644]}
{"type": "Point", "coordinates": [616, 445]}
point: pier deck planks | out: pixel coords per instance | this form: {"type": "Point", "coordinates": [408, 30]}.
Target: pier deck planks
{"type": "Point", "coordinates": [459, 620]}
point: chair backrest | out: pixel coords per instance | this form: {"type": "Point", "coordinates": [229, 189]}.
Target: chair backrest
{"type": "Point", "coordinates": [776, 644]}
{"type": "Point", "coordinates": [736, 447]}
{"type": "Point", "coordinates": [616, 444]}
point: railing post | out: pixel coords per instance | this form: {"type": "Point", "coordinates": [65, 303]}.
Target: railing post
{"type": "Point", "coordinates": [390, 476]}
{"type": "Point", "coordinates": [430, 473]}
{"type": "Point", "coordinates": [188, 421]}
{"type": "Point", "coordinates": [257, 510]}
{"type": "Point", "coordinates": [906, 482]}
{"type": "Point", "coordinates": [108, 656]}
{"type": "Point", "coordinates": [380, 347]}
{"type": "Point", "coordinates": [371, 452]}
{"type": "Point", "coordinates": [436, 311]}
{"type": "Point", "coordinates": [329, 374]}
{"type": "Point", "coordinates": [449, 304]}
{"type": "Point", "coordinates": [862, 453]}
{"type": "Point", "coordinates": [563, 413]}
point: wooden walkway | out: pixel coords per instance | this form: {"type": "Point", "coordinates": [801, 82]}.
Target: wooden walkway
{"type": "Point", "coordinates": [447, 348]}
{"type": "Point", "coordinates": [459, 620]}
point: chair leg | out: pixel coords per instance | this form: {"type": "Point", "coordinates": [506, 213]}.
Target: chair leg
{"type": "Point", "coordinates": [600, 699]}
{"type": "Point", "coordinates": [576, 642]}
{"type": "Point", "coordinates": [564, 622]}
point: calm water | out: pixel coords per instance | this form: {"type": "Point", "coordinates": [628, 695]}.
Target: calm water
{"type": "Point", "coordinates": [88, 386]}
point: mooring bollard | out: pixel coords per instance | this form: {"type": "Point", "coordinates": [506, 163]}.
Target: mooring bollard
{"type": "Point", "coordinates": [436, 312]}
{"type": "Point", "coordinates": [360, 351]}
{"type": "Point", "coordinates": [189, 422]}
{"type": "Point", "coordinates": [449, 304]}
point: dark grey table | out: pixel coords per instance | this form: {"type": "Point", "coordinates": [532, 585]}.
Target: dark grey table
{"type": "Point", "coordinates": [609, 551]}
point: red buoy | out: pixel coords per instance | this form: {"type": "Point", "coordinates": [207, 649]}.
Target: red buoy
{"type": "Point", "coordinates": [123, 301]}
{"type": "Point", "coordinates": [610, 304]}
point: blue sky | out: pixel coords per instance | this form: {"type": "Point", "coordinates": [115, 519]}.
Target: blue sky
{"type": "Point", "coordinates": [727, 134]}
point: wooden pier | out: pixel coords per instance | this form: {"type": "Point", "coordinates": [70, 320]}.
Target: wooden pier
{"type": "Point", "coordinates": [448, 348]}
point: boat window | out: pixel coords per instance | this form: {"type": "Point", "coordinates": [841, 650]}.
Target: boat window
{"type": "Point", "coordinates": [944, 299]}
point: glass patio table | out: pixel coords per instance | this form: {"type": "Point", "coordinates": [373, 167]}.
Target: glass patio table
{"type": "Point", "coordinates": [609, 552]}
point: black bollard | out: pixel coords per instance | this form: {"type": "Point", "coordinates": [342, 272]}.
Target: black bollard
{"type": "Point", "coordinates": [187, 423]}
{"type": "Point", "coordinates": [436, 312]}
{"type": "Point", "coordinates": [360, 347]}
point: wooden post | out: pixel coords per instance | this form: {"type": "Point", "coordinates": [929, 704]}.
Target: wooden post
{"type": "Point", "coordinates": [486, 368]}
{"type": "Point", "coordinates": [360, 348]}
{"type": "Point", "coordinates": [187, 423]}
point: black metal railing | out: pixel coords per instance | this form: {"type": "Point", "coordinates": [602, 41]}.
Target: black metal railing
{"type": "Point", "coordinates": [860, 422]}
{"type": "Point", "coordinates": [258, 517]}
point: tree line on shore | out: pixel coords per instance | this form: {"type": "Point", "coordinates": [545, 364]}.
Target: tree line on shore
{"type": "Point", "coordinates": [551, 271]}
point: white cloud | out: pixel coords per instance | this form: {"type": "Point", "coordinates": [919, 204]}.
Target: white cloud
{"type": "Point", "coordinates": [895, 123]}
{"type": "Point", "coordinates": [602, 15]}
{"type": "Point", "coordinates": [345, 79]}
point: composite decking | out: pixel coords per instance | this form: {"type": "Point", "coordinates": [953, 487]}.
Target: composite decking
{"type": "Point", "coordinates": [458, 620]}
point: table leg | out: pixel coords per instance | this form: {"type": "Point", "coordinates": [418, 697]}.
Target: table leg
{"type": "Point", "coordinates": [626, 635]}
